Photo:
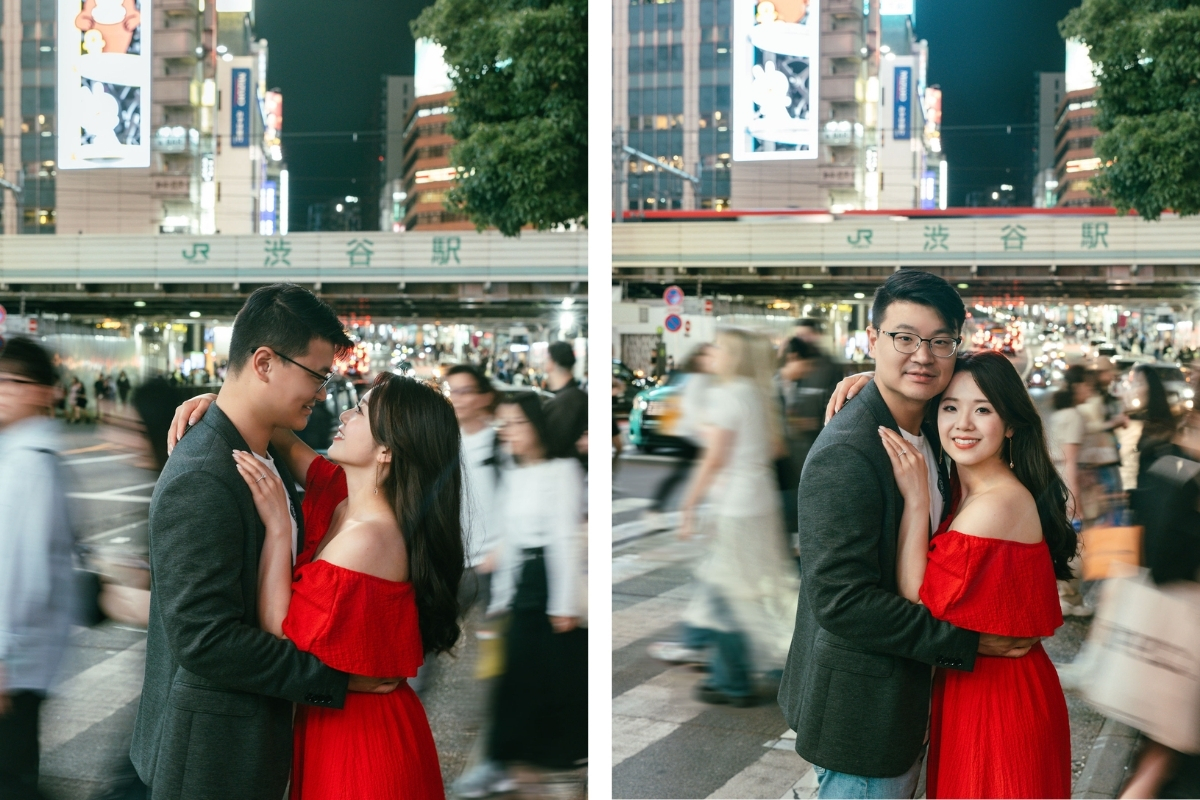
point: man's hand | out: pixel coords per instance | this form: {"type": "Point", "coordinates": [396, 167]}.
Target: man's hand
{"type": "Point", "coordinates": [846, 388]}
{"type": "Point", "coordinates": [564, 624]}
{"type": "Point", "coordinates": [361, 683]}
{"type": "Point", "coordinates": [1004, 646]}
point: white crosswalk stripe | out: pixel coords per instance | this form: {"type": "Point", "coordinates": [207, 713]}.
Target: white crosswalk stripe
{"type": "Point", "coordinates": [662, 705]}
{"type": "Point", "coordinates": [92, 696]}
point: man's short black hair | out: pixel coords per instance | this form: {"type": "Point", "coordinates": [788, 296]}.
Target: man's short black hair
{"type": "Point", "coordinates": [28, 359]}
{"type": "Point", "coordinates": [922, 288]}
{"type": "Point", "coordinates": [562, 354]}
{"type": "Point", "coordinates": [285, 318]}
{"type": "Point", "coordinates": [809, 322]}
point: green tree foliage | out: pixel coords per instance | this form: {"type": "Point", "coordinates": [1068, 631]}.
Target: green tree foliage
{"type": "Point", "coordinates": [519, 69]}
{"type": "Point", "coordinates": [1147, 59]}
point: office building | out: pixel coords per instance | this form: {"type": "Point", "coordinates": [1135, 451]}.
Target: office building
{"type": "Point", "coordinates": [1075, 131]}
{"type": "Point", "coordinates": [396, 101]}
{"type": "Point", "coordinates": [426, 171]}
{"type": "Point", "coordinates": [676, 85]}
{"type": "Point", "coordinates": [1048, 91]}
{"type": "Point", "coordinates": [202, 156]}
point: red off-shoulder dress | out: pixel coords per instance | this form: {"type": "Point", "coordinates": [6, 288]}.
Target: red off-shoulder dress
{"type": "Point", "coordinates": [1001, 730]}
{"type": "Point", "coordinates": [379, 746]}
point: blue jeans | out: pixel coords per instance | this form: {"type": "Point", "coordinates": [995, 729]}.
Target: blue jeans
{"type": "Point", "coordinates": [730, 670]}
{"type": "Point", "coordinates": [832, 784]}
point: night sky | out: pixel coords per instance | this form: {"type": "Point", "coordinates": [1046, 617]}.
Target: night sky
{"type": "Point", "coordinates": [984, 54]}
{"type": "Point", "coordinates": [327, 58]}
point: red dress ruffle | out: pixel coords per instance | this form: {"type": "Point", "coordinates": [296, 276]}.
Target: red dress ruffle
{"type": "Point", "coordinates": [1001, 730]}
{"type": "Point", "coordinates": [377, 747]}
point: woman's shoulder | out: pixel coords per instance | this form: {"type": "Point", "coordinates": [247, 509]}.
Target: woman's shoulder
{"type": "Point", "coordinates": [1006, 512]}
{"type": "Point", "coordinates": [372, 547]}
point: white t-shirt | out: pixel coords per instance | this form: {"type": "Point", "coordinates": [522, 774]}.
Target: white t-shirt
{"type": "Point", "coordinates": [269, 463]}
{"type": "Point", "coordinates": [1067, 426]}
{"type": "Point", "coordinates": [479, 491]}
{"type": "Point", "coordinates": [935, 495]}
{"type": "Point", "coordinates": [747, 480]}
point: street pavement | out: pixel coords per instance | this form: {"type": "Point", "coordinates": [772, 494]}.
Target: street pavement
{"type": "Point", "coordinates": [88, 720]}
{"type": "Point", "coordinates": [666, 744]}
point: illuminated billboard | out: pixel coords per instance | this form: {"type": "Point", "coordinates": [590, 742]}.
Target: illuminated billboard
{"type": "Point", "coordinates": [103, 84]}
{"type": "Point", "coordinates": [430, 73]}
{"type": "Point", "coordinates": [776, 66]}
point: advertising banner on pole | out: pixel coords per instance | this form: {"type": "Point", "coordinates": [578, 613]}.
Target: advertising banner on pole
{"type": "Point", "coordinates": [240, 109]}
{"type": "Point", "coordinates": [902, 104]}
{"type": "Point", "coordinates": [776, 66]}
{"type": "Point", "coordinates": [104, 68]}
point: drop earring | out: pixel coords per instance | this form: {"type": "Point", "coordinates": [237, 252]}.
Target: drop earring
{"type": "Point", "coordinates": [1010, 456]}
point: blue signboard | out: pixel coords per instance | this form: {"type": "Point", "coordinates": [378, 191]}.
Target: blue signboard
{"type": "Point", "coordinates": [902, 104]}
{"type": "Point", "coordinates": [673, 323]}
{"type": "Point", "coordinates": [240, 109]}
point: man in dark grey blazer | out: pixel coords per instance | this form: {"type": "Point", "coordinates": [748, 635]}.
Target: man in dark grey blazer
{"type": "Point", "coordinates": [857, 683]}
{"type": "Point", "coordinates": [215, 720]}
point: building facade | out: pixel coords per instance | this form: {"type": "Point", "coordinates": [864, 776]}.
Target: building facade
{"type": "Point", "coordinates": [673, 101]}
{"type": "Point", "coordinates": [1075, 132]}
{"type": "Point", "coordinates": [1048, 91]}
{"type": "Point", "coordinates": [396, 101]}
{"type": "Point", "coordinates": [203, 176]}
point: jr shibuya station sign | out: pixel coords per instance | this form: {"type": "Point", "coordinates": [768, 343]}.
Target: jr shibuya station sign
{"type": "Point", "coordinates": [776, 71]}
{"type": "Point", "coordinates": [104, 73]}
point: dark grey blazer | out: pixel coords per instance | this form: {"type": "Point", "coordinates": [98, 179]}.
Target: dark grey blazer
{"type": "Point", "coordinates": [215, 720]}
{"type": "Point", "coordinates": [857, 682]}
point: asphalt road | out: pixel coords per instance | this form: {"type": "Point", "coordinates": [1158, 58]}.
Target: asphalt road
{"type": "Point", "coordinates": [87, 723]}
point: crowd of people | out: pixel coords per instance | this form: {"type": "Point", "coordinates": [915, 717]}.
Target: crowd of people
{"type": "Point", "coordinates": [321, 585]}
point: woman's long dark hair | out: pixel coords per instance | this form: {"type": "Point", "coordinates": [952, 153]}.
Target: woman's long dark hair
{"type": "Point", "coordinates": [416, 423]}
{"type": "Point", "coordinates": [1004, 389]}
{"type": "Point", "coordinates": [1158, 423]}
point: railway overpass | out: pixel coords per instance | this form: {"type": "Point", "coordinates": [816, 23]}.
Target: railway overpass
{"type": "Point", "coordinates": [1037, 254]}
{"type": "Point", "coordinates": [417, 274]}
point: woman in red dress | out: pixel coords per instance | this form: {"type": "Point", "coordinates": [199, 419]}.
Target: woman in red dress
{"type": "Point", "coordinates": [1001, 730]}
{"type": "Point", "coordinates": [374, 587]}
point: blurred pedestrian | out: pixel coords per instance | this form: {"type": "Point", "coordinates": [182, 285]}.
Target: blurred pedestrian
{"type": "Point", "coordinates": [541, 700]}
{"type": "Point", "coordinates": [618, 390]}
{"type": "Point", "coordinates": [696, 383]}
{"type": "Point", "coordinates": [36, 543]}
{"type": "Point", "coordinates": [566, 414]}
{"type": "Point", "coordinates": [744, 596]}
{"type": "Point", "coordinates": [1098, 455]}
{"type": "Point", "coordinates": [100, 392]}
{"type": "Point", "coordinates": [1159, 425]}
{"type": "Point", "coordinates": [123, 387]}
{"type": "Point", "coordinates": [474, 400]}
{"type": "Point", "coordinates": [78, 401]}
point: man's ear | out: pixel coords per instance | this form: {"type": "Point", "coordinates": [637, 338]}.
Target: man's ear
{"type": "Point", "coordinates": [260, 362]}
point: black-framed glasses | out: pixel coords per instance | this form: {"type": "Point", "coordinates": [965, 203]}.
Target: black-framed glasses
{"type": "Point", "coordinates": [909, 343]}
{"type": "Point", "coordinates": [324, 379]}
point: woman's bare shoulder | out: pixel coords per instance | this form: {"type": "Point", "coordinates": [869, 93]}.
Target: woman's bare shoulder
{"type": "Point", "coordinates": [1006, 512]}
{"type": "Point", "coordinates": [374, 547]}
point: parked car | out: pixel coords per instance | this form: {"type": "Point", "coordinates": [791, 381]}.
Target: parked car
{"type": "Point", "coordinates": [341, 395]}
{"type": "Point", "coordinates": [655, 415]}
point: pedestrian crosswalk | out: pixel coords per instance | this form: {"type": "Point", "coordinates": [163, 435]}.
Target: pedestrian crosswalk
{"type": "Point", "coordinates": [665, 743]}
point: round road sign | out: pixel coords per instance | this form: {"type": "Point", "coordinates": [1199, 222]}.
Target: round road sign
{"type": "Point", "coordinates": [673, 296]}
{"type": "Point", "coordinates": [673, 323]}
{"type": "Point", "coordinates": [3, 315]}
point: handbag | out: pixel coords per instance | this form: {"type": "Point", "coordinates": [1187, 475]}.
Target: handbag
{"type": "Point", "coordinates": [1142, 659]}
{"type": "Point", "coordinates": [1111, 552]}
